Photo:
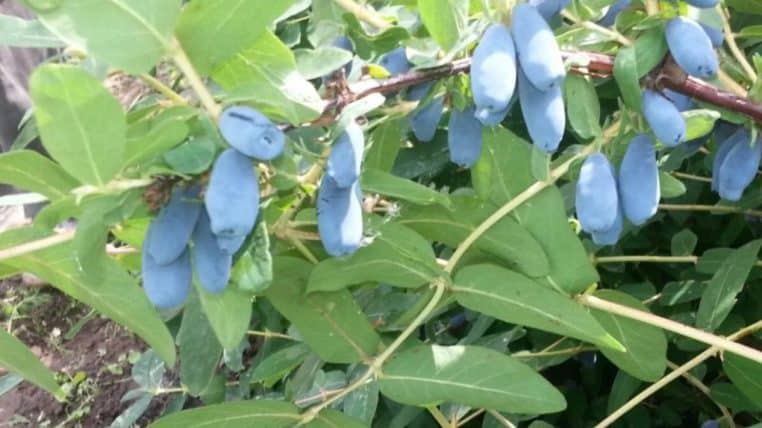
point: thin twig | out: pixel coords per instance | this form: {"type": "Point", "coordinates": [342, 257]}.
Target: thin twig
{"type": "Point", "coordinates": [501, 419]}
{"type": "Point", "coordinates": [590, 25]}
{"type": "Point", "coordinates": [679, 174]}
{"type": "Point", "coordinates": [438, 416]}
{"type": "Point", "coordinates": [39, 244]}
{"type": "Point", "coordinates": [719, 209]}
{"type": "Point", "coordinates": [733, 46]}
{"type": "Point", "coordinates": [194, 80]}
{"type": "Point", "coordinates": [163, 89]}
{"type": "Point", "coordinates": [267, 334]}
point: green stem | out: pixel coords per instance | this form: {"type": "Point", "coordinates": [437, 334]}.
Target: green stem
{"type": "Point", "coordinates": [501, 419]}
{"type": "Point", "coordinates": [719, 209]}
{"type": "Point", "coordinates": [646, 259]}
{"type": "Point", "coordinates": [614, 35]}
{"type": "Point", "coordinates": [733, 46]}
{"type": "Point", "coordinates": [438, 416]}
{"type": "Point", "coordinates": [299, 245]}
{"type": "Point", "coordinates": [194, 80]}
{"type": "Point", "coordinates": [673, 326]}
{"type": "Point", "coordinates": [267, 334]}
{"type": "Point", "coordinates": [679, 174]}
{"type": "Point", "coordinates": [367, 15]}
{"type": "Point", "coordinates": [163, 89]}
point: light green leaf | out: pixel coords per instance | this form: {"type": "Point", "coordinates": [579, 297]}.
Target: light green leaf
{"type": "Point", "coordinates": [265, 75]}
{"type": "Point", "coordinates": [746, 375]}
{"type": "Point", "coordinates": [750, 32]}
{"type": "Point", "coordinates": [384, 142]}
{"type": "Point", "coordinates": [18, 359]}
{"type": "Point", "coordinates": [128, 34]}
{"type": "Point", "coordinates": [720, 295]}
{"type": "Point", "coordinates": [253, 271]}
{"type": "Point", "coordinates": [229, 314]}
{"type": "Point", "coordinates": [23, 33]}
{"type": "Point", "coordinates": [646, 354]}
{"type": "Point", "coordinates": [699, 123]}
{"type": "Point", "coordinates": [516, 299]}
{"type": "Point", "coordinates": [31, 171]}
{"type": "Point", "coordinates": [200, 351]}
{"type": "Point", "coordinates": [397, 256]}
{"type": "Point", "coordinates": [82, 126]}
{"type": "Point", "coordinates": [670, 186]}
{"type": "Point", "coordinates": [193, 156]}
{"type": "Point", "coordinates": [212, 32]}
{"type": "Point", "coordinates": [470, 375]}
{"type": "Point", "coordinates": [444, 19]}
{"type": "Point", "coordinates": [626, 76]}
{"type": "Point", "coordinates": [383, 183]}
{"type": "Point", "coordinates": [315, 63]}
{"type": "Point", "coordinates": [650, 49]}
{"type": "Point", "coordinates": [331, 323]}
{"type": "Point", "coordinates": [582, 106]}
{"type": "Point", "coordinates": [502, 172]}
{"type": "Point", "coordinates": [118, 298]}
{"type": "Point", "coordinates": [234, 414]}
{"type": "Point", "coordinates": [150, 139]}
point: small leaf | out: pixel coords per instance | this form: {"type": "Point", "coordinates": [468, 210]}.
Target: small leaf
{"type": "Point", "coordinates": [193, 156]}
{"type": "Point", "coordinates": [277, 365]}
{"type": "Point", "coordinates": [646, 354]}
{"type": "Point", "coordinates": [375, 181]}
{"type": "Point", "coordinates": [750, 32]}
{"type": "Point", "coordinates": [516, 299]}
{"type": "Point", "coordinates": [330, 418]}
{"type": "Point", "coordinates": [683, 243]}
{"type": "Point", "coordinates": [200, 351]}
{"type": "Point", "coordinates": [398, 256]}
{"type": "Point", "coordinates": [81, 124]}
{"type": "Point", "coordinates": [720, 295]}
{"type": "Point", "coordinates": [253, 271]}
{"type": "Point", "coordinates": [31, 171]}
{"type": "Point", "coordinates": [368, 46]}
{"type": "Point", "coordinates": [314, 63]}
{"type": "Point", "coordinates": [384, 142]}
{"type": "Point", "coordinates": [234, 414]}
{"type": "Point", "coordinates": [582, 106]}
{"type": "Point", "coordinates": [699, 123]}
{"type": "Point", "coordinates": [18, 359]}
{"type": "Point", "coordinates": [332, 324]}
{"type": "Point", "coordinates": [670, 186]}
{"type": "Point", "coordinates": [142, 30]}
{"type": "Point", "coordinates": [650, 49]}
{"type": "Point", "coordinates": [746, 375]}
{"type": "Point", "coordinates": [229, 314]}
{"type": "Point", "coordinates": [470, 375]}
{"type": "Point", "coordinates": [444, 19]}
{"type": "Point", "coordinates": [626, 76]}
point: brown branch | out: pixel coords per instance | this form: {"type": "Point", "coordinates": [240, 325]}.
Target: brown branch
{"type": "Point", "coordinates": [595, 64]}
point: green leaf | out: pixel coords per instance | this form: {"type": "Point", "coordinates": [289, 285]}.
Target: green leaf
{"type": "Point", "coordinates": [623, 388]}
{"type": "Point", "coordinates": [746, 375]}
{"type": "Point", "coordinates": [626, 76]}
{"type": "Point", "coordinates": [315, 63]}
{"type": "Point", "coordinates": [234, 414]}
{"type": "Point", "coordinates": [131, 35]}
{"type": "Point", "coordinates": [24, 33]}
{"type": "Point", "coordinates": [31, 171]}
{"type": "Point", "coordinates": [362, 403]}
{"type": "Point", "coordinates": [384, 142]}
{"type": "Point", "coordinates": [750, 32]}
{"type": "Point", "coordinates": [253, 271]}
{"type": "Point", "coordinates": [330, 418]}
{"type": "Point", "coordinates": [444, 19]}
{"type": "Point", "coordinates": [118, 298]}
{"type": "Point", "coordinates": [229, 314]}
{"type": "Point", "coordinates": [502, 172]}
{"type": "Point", "coordinates": [200, 351]}
{"type": "Point", "coordinates": [699, 123]}
{"type": "Point", "coordinates": [212, 32]}
{"type": "Point", "coordinates": [683, 243]}
{"type": "Point", "coordinates": [582, 106]}
{"type": "Point", "coordinates": [18, 359]}
{"type": "Point", "coordinates": [720, 295]}
{"type": "Point", "coordinates": [746, 6]}
{"type": "Point", "coordinates": [368, 46]}
{"type": "Point", "coordinates": [650, 49]}
{"type": "Point", "coordinates": [82, 126]}
{"type": "Point", "coordinates": [161, 135]}
{"type": "Point", "coordinates": [192, 157]}
{"type": "Point", "coordinates": [383, 183]}
{"type": "Point", "coordinates": [265, 75]}
{"type": "Point", "coordinates": [646, 354]}
{"type": "Point", "coordinates": [277, 365]}
{"type": "Point", "coordinates": [398, 256]}
{"type": "Point", "coordinates": [331, 323]}
{"type": "Point", "coordinates": [670, 186]}
{"type": "Point", "coordinates": [507, 239]}
{"type": "Point", "coordinates": [516, 299]}
{"type": "Point", "coordinates": [470, 375]}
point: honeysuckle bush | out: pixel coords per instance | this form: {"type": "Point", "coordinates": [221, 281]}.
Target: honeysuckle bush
{"type": "Point", "coordinates": [471, 272]}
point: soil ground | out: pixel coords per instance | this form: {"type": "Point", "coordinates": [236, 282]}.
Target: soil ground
{"type": "Point", "coordinates": [90, 352]}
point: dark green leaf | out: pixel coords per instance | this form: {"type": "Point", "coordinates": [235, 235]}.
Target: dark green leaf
{"type": "Point", "coordinates": [314, 63]}
{"type": "Point", "coordinates": [383, 183]}
{"type": "Point", "coordinates": [331, 323]}
{"type": "Point", "coordinates": [582, 106]}
{"type": "Point", "coordinates": [236, 414]}
{"type": "Point", "coordinates": [683, 243]}
{"type": "Point", "coordinates": [330, 418]}
{"type": "Point", "coordinates": [650, 49]}
{"type": "Point", "coordinates": [398, 256]}
{"type": "Point", "coordinates": [384, 142]}
{"type": "Point", "coordinates": [192, 157]}
{"type": "Point", "coordinates": [82, 126]}
{"type": "Point", "coordinates": [746, 375]}
{"type": "Point", "coordinates": [670, 186]}
{"type": "Point", "coordinates": [626, 76]}
{"type": "Point", "coordinates": [720, 295]}
{"type": "Point", "coordinates": [470, 375]}
{"type": "Point", "coordinates": [280, 363]}
{"type": "Point", "coordinates": [516, 299]}
{"type": "Point", "coordinates": [200, 351]}
{"type": "Point", "coordinates": [750, 32]}
{"type": "Point", "coordinates": [646, 346]}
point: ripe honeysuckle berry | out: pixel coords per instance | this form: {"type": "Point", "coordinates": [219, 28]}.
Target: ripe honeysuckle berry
{"type": "Point", "coordinates": [493, 74]}
{"type": "Point", "coordinates": [639, 190]}
{"type": "Point", "coordinates": [211, 263]}
{"type": "Point", "coordinates": [537, 49]}
{"type": "Point", "coordinates": [172, 228]}
{"type": "Point", "coordinates": [544, 114]}
{"type": "Point", "coordinates": [339, 215]}
{"type": "Point", "coordinates": [739, 168]}
{"type": "Point", "coordinates": [345, 160]}
{"type": "Point", "coordinates": [596, 199]}
{"type": "Point", "coordinates": [464, 137]}
{"type": "Point", "coordinates": [252, 133]}
{"type": "Point", "coordinates": [664, 118]}
{"type": "Point", "coordinates": [232, 197]}
{"type": "Point", "coordinates": [691, 47]}
{"type": "Point", "coordinates": [168, 285]}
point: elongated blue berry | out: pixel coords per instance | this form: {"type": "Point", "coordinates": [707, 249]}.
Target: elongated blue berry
{"type": "Point", "coordinates": [549, 8]}
{"type": "Point", "coordinates": [230, 244]}
{"type": "Point", "coordinates": [544, 114]}
{"type": "Point", "coordinates": [664, 118]}
{"type": "Point", "coordinates": [681, 101]}
{"type": "Point", "coordinates": [339, 214]}
{"type": "Point", "coordinates": [538, 51]}
{"type": "Point", "coordinates": [639, 190]}
{"type": "Point", "coordinates": [596, 199]}
{"type": "Point", "coordinates": [210, 262]}
{"type": "Point", "coordinates": [232, 198]}
{"type": "Point", "coordinates": [725, 141]}
{"type": "Point", "coordinates": [613, 11]}
{"type": "Point", "coordinates": [426, 120]}
{"type": "Point", "coordinates": [170, 232]}
{"type": "Point", "coordinates": [464, 137]}
{"type": "Point", "coordinates": [345, 160]}
{"type": "Point", "coordinates": [691, 47]}
{"type": "Point", "coordinates": [739, 168]}
{"type": "Point", "coordinates": [704, 4]}
{"type": "Point", "coordinates": [611, 235]}
{"type": "Point", "coordinates": [716, 35]}
{"type": "Point", "coordinates": [395, 62]}
{"type": "Point", "coordinates": [493, 73]}
{"type": "Point", "coordinates": [167, 286]}
{"type": "Point", "coordinates": [252, 133]}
